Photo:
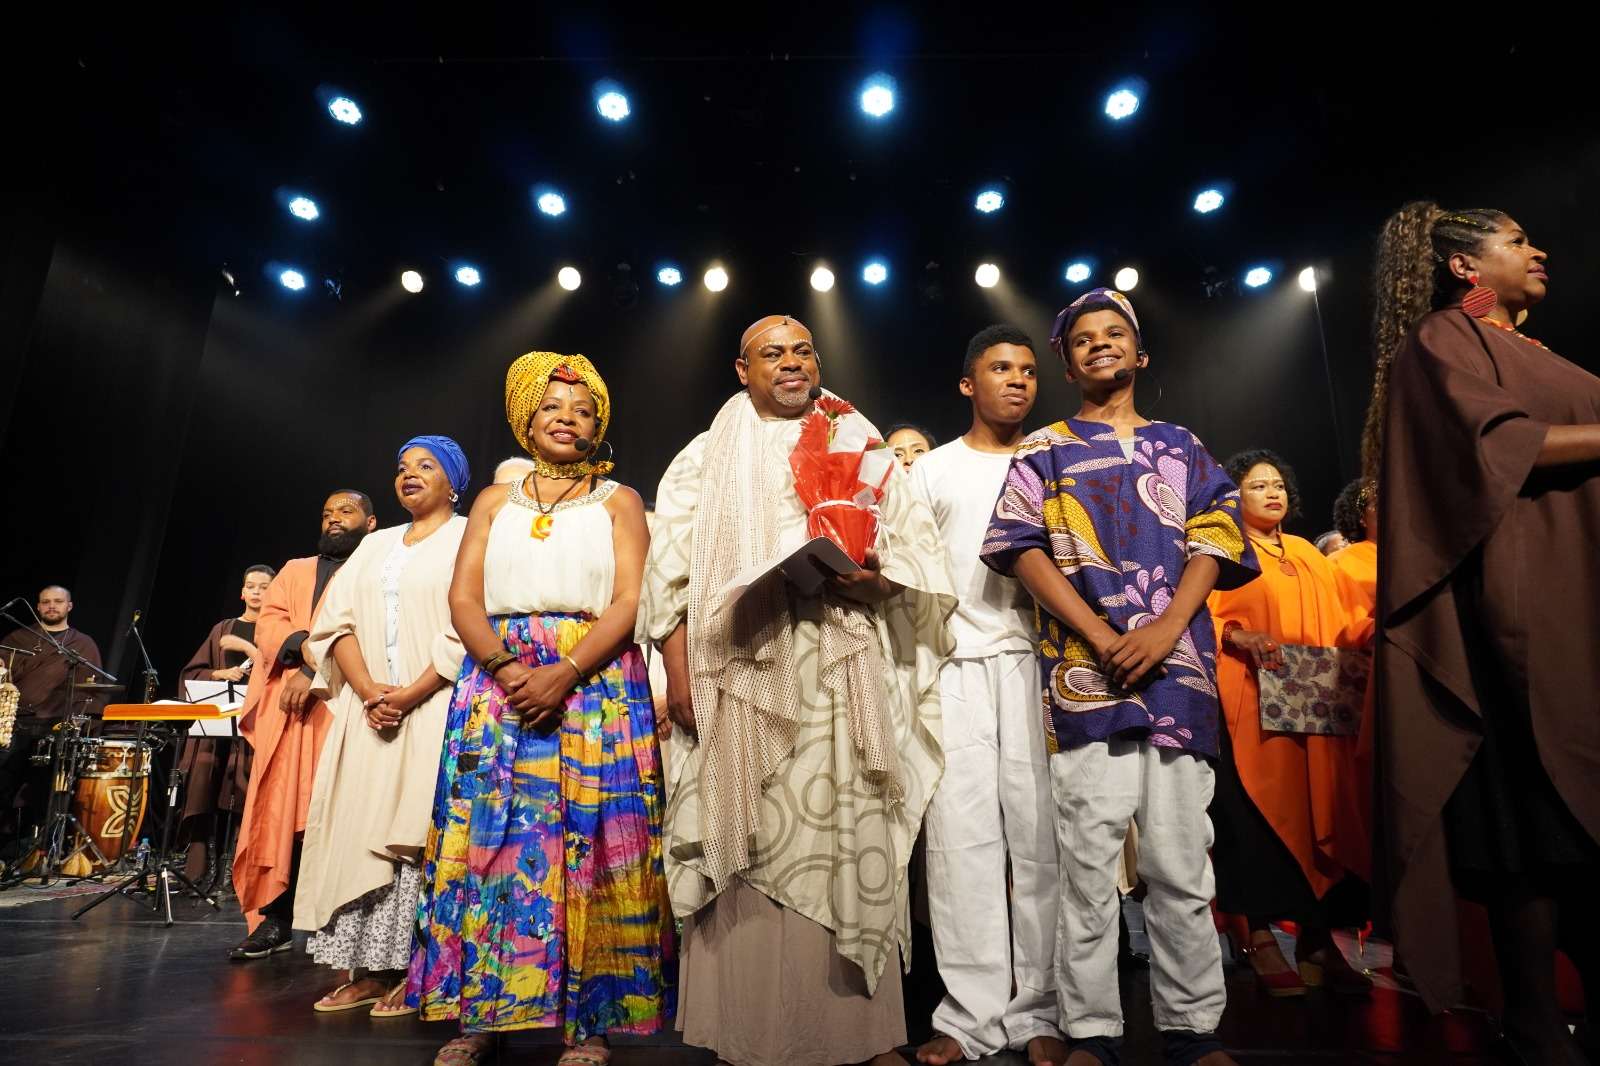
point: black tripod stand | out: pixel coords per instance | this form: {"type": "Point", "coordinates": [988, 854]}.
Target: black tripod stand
{"type": "Point", "coordinates": [158, 867]}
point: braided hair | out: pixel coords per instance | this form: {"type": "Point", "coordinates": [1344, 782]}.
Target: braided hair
{"type": "Point", "coordinates": [1412, 277]}
{"type": "Point", "coordinates": [1350, 510]}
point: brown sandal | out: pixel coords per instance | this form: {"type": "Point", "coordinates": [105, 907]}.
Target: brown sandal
{"type": "Point", "coordinates": [585, 1055]}
{"type": "Point", "coordinates": [464, 1051]}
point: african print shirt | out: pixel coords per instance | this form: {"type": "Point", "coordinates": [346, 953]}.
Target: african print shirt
{"type": "Point", "coordinates": [1121, 529]}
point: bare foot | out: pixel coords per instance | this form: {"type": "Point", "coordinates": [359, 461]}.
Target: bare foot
{"type": "Point", "coordinates": [940, 1051]}
{"type": "Point", "coordinates": [1265, 955]}
{"type": "Point", "coordinates": [1047, 1051]}
{"type": "Point", "coordinates": [395, 999]}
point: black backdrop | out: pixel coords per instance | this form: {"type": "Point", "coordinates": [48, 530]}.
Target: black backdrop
{"type": "Point", "coordinates": [162, 433]}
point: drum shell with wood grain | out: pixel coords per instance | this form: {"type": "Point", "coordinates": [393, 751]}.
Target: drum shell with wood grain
{"type": "Point", "coordinates": [111, 772]}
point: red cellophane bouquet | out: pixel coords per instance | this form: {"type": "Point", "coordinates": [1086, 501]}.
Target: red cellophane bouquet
{"type": "Point", "coordinates": [840, 470]}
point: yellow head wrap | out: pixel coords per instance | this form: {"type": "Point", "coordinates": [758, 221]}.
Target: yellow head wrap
{"type": "Point", "coordinates": [526, 383]}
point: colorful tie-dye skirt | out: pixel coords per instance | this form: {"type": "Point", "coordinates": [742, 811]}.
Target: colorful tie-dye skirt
{"type": "Point", "coordinates": [544, 903]}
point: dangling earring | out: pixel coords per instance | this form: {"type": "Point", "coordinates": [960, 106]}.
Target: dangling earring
{"type": "Point", "coordinates": [1479, 300]}
{"type": "Point", "coordinates": [454, 497]}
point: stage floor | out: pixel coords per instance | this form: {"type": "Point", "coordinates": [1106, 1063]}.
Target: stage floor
{"type": "Point", "coordinates": [118, 986]}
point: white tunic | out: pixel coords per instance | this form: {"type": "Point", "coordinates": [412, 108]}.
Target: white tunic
{"type": "Point", "coordinates": [571, 570]}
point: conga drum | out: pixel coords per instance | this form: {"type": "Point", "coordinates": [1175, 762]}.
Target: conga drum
{"type": "Point", "coordinates": [108, 774]}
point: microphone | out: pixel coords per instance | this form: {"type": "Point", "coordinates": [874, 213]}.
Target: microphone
{"type": "Point", "coordinates": [1122, 375]}
{"type": "Point", "coordinates": [815, 392]}
{"type": "Point", "coordinates": [582, 444]}
{"type": "Point", "coordinates": [135, 623]}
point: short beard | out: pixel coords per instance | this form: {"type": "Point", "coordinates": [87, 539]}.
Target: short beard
{"type": "Point", "coordinates": [339, 545]}
{"type": "Point", "coordinates": [791, 401]}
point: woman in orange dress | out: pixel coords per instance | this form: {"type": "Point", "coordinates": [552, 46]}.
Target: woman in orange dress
{"type": "Point", "coordinates": [1355, 516]}
{"type": "Point", "coordinates": [1291, 838]}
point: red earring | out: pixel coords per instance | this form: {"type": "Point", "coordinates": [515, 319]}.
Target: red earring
{"type": "Point", "coordinates": [1479, 300]}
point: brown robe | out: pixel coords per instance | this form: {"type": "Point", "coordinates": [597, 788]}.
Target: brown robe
{"type": "Point", "coordinates": [41, 678]}
{"type": "Point", "coordinates": [215, 769]}
{"type": "Point", "coordinates": [1488, 582]}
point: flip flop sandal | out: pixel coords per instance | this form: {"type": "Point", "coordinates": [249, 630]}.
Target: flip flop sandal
{"type": "Point", "coordinates": [381, 1011]}
{"type": "Point", "coordinates": [324, 1007]}
{"type": "Point", "coordinates": [460, 1053]}
{"type": "Point", "coordinates": [585, 1055]}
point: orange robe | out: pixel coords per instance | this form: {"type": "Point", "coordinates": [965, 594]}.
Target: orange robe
{"type": "Point", "coordinates": [286, 747]}
{"type": "Point", "coordinates": [1356, 569]}
{"type": "Point", "coordinates": [1307, 787]}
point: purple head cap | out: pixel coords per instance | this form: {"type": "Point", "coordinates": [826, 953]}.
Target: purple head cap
{"type": "Point", "coordinates": [1094, 300]}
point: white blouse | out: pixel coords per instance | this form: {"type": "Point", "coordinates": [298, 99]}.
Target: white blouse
{"type": "Point", "coordinates": [570, 568]}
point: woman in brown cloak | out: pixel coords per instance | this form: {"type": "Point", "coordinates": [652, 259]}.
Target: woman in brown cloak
{"type": "Point", "coordinates": [1486, 447]}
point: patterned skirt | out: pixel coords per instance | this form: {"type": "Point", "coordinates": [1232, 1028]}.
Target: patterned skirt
{"type": "Point", "coordinates": [544, 902]}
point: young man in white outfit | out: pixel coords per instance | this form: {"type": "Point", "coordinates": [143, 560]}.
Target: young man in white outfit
{"type": "Point", "coordinates": [993, 807]}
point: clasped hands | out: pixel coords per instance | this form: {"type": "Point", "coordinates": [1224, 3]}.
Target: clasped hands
{"type": "Point", "coordinates": [1131, 658]}
{"type": "Point", "coordinates": [538, 693]}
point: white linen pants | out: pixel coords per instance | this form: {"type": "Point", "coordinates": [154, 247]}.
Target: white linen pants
{"type": "Point", "coordinates": [994, 801]}
{"type": "Point", "coordinates": [1099, 788]}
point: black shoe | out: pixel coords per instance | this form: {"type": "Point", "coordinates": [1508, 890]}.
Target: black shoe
{"type": "Point", "coordinates": [270, 937]}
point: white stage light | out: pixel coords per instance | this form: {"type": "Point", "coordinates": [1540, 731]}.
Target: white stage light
{"type": "Point", "coordinates": [411, 281]}
{"type": "Point", "coordinates": [1126, 280]}
{"type": "Point", "coordinates": [877, 95]}
{"type": "Point", "coordinates": [1256, 277]}
{"type": "Point", "coordinates": [716, 279]}
{"type": "Point", "coordinates": [987, 276]}
{"type": "Point", "coordinates": [468, 276]}
{"type": "Point", "coordinates": [990, 201]}
{"type": "Point", "coordinates": [1121, 104]}
{"type": "Point", "coordinates": [344, 110]}
{"type": "Point", "coordinates": [822, 279]}
{"type": "Point", "coordinates": [1308, 279]}
{"type": "Point", "coordinates": [1078, 273]}
{"type": "Point", "coordinates": [1208, 201]}
{"type": "Point", "coordinates": [669, 276]}
{"type": "Point", "coordinates": [304, 207]}
{"type": "Point", "coordinates": [292, 280]}
{"type": "Point", "coordinates": [569, 278]}
{"type": "Point", "coordinates": [552, 203]}
{"type": "Point", "coordinates": [875, 273]}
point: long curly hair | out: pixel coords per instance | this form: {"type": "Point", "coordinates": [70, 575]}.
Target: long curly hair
{"type": "Point", "coordinates": [1411, 278]}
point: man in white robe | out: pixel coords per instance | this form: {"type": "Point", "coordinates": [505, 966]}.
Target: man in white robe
{"type": "Point", "coordinates": [817, 735]}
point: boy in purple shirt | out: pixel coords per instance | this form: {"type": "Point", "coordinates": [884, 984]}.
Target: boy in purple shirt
{"type": "Point", "coordinates": [1120, 527]}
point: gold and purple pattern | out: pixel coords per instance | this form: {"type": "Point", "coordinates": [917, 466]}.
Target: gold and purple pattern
{"type": "Point", "coordinates": [1121, 530]}
{"type": "Point", "coordinates": [544, 902]}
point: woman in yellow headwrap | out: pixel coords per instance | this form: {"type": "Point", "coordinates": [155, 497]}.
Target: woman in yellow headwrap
{"type": "Point", "coordinates": [544, 902]}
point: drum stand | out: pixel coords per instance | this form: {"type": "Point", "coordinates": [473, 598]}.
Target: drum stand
{"type": "Point", "coordinates": [159, 866]}
{"type": "Point", "coordinates": [60, 824]}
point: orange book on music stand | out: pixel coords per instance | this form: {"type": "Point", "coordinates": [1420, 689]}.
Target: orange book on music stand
{"type": "Point", "coordinates": [160, 712]}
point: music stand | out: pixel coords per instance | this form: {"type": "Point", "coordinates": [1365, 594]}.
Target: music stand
{"type": "Point", "coordinates": [232, 700]}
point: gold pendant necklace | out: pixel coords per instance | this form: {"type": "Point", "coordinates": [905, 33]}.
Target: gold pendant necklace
{"type": "Point", "coordinates": [544, 521]}
{"type": "Point", "coordinates": [1282, 556]}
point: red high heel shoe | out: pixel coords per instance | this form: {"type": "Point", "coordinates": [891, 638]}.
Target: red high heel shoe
{"type": "Point", "coordinates": [1284, 984]}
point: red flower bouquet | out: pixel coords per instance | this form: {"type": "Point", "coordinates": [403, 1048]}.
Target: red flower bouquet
{"type": "Point", "coordinates": [840, 470]}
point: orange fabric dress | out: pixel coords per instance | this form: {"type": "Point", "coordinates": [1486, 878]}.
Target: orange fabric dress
{"type": "Point", "coordinates": [1306, 787]}
{"type": "Point", "coordinates": [286, 748]}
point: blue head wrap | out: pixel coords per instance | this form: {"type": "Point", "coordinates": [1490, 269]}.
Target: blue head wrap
{"type": "Point", "coordinates": [450, 456]}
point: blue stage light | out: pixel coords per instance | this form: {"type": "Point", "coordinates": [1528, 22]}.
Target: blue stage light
{"type": "Point", "coordinates": [551, 203]}
{"type": "Point", "coordinates": [304, 207]}
{"type": "Point", "coordinates": [1077, 273]}
{"type": "Point", "coordinates": [669, 276]}
{"type": "Point", "coordinates": [877, 95]}
{"type": "Point", "coordinates": [344, 110]}
{"type": "Point", "coordinates": [990, 201]}
{"type": "Point", "coordinates": [1256, 277]}
{"type": "Point", "coordinates": [1208, 201]}
{"type": "Point", "coordinates": [1121, 104]}
{"type": "Point", "coordinates": [468, 275]}
{"type": "Point", "coordinates": [611, 102]}
{"type": "Point", "coordinates": [875, 273]}
{"type": "Point", "coordinates": [292, 280]}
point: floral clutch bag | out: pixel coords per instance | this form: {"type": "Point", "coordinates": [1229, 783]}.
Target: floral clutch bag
{"type": "Point", "coordinates": [1319, 691]}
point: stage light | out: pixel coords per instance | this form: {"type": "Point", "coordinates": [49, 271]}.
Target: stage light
{"type": "Point", "coordinates": [875, 273]}
{"type": "Point", "coordinates": [1078, 273]}
{"type": "Point", "coordinates": [877, 95]}
{"type": "Point", "coordinates": [987, 276]}
{"type": "Point", "coordinates": [1126, 279]}
{"type": "Point", "coordinates": [344, 110]}
{"type": "Point", "coordinates": [411, 281]}
{"type": "Point", "coordinates": [1256, 277]}
{"type": "Point", "coordinates": [1208, 201]}
{"type": "Point", "coordinates": [990, 201]}
{"type": "Point", "coordinates": [716, 279]}
{"type": "Point", "coordinates": [292, 280]}
{"type": "Point", "coordinates": [569, 278]}
{"type": "Point", "coordinates": [611, 101]}
{"type": "Point", "coordinates": [822, 279]}
{"type": "Point", "coordinates": [304, 207]}
{"type": "Point", "coordinates": [1308, 279]}
{"type": "Point", "coordinates": [1122, 103]}
{"type": "Point", "coordinates": [669, 276]}
{"type": "Point", "coordinates": [468, 275]}
{"type": "Point", "coordinates": [551, 203]}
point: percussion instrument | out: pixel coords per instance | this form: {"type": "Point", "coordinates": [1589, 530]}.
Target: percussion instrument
{"type": "Point", "coordinates": [109, 771]}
